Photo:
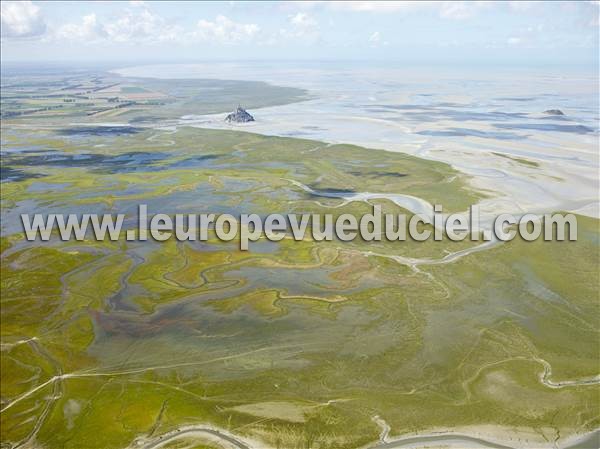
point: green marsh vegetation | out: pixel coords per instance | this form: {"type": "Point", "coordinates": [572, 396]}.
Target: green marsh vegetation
{"type": "Point", "coordinates": [297, 344]}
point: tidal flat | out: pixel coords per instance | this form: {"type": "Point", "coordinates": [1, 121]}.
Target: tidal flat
{"type": "Point", "coordinates": [290, 344]}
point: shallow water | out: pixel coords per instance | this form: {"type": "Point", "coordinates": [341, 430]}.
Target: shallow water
{"type": "Point", "coordinates": [443, 114]}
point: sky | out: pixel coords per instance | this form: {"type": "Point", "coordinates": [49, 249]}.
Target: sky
{"type": "Point", "coordinates": [506, 33]}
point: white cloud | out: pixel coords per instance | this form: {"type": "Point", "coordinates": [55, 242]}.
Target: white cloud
{"type": "Point", "coordinates": [141, 26]}
{"type": "Point", "coordinates": [376, 41]}
{"type": "Point", "coordinates": [88, 30]}
{"type": "Point", "coordinates": [21, 19]}
{"type": "Point", "coordinates": [458, 11]}
{"type": "Point", "coordinates": [303, 20]}
{"type": "Point", "coordinates": [514, 40]}
{"type": "Point", "coordinates": [302, 27]}
{"type": "Point", "coordinates": [225, 30]}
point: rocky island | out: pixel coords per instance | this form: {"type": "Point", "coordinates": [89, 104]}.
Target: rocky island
{"type": "Point", "coordinates": [239, 116]}
{"type": "Point", "coordinates": [554, 112]}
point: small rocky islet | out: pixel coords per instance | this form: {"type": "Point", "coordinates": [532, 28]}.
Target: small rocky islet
{"type": "Point", "coordinates": [240, 115]}
{"type": "Point", "coordinates": [554, 112]}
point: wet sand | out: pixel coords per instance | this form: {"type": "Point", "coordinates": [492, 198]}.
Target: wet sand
{"type": "Point", "coordinates": [445, 116]}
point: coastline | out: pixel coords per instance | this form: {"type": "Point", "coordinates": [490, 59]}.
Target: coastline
{"type": "Point", "coordinates": [479, 436]}
{"type": "Point", "coordinates": [489, 436]}
{"type": "Point", "coordinates": [558, 170]}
